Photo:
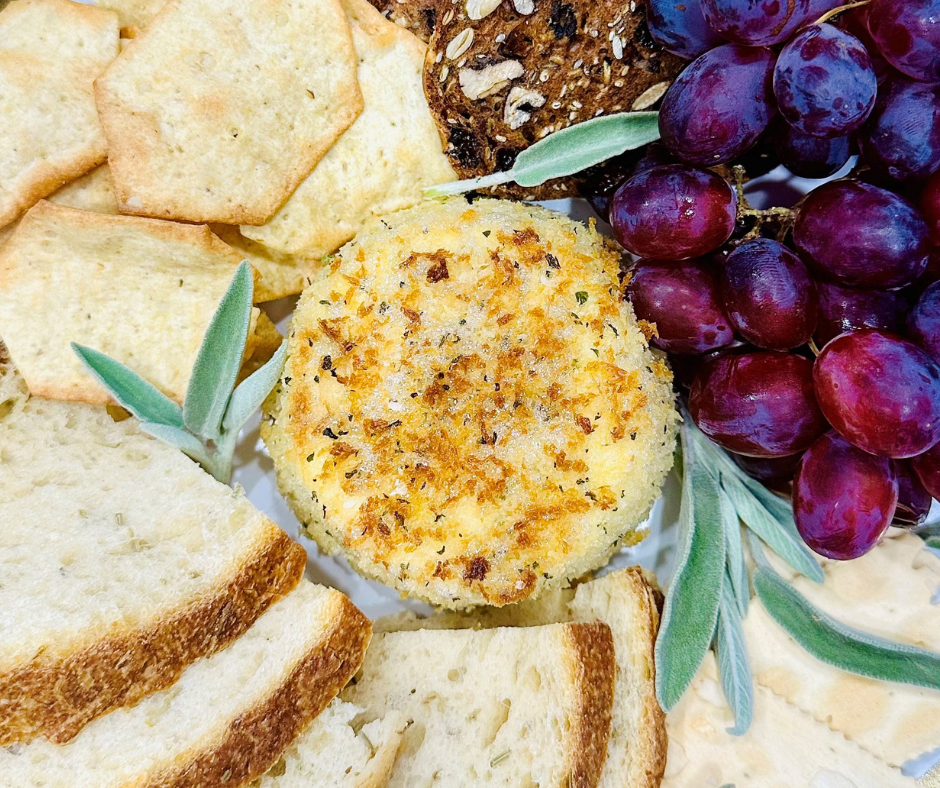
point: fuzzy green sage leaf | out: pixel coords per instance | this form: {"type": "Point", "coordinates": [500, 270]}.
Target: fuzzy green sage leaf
{"type": "Point", "coordinates": [567, 151]}
{"type": "Point", "coordinates": [839, 645]}
{"type": "Point", "coordinates": [129, 389]}
{"type": "Point", "coordinates": [691, 610]}
{"type": "Point", "coordinates": [733, 665]}
{"type": "Point", "coordinates": [184, 441]}
{"type": "Point", "coordinates": [220, 358]}
{"type": "Point", "coordinates": [734, 547]}
{"type": "Point", "coordinates": [252, 391]}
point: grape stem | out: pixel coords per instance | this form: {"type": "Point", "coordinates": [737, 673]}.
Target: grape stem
{"type": "Point", "coordinates": [829, 14]}
{"type": "Point", "coordinates": [786, 215]}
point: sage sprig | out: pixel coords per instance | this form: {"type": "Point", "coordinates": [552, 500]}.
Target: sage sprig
{"type": "Point", "coordinates": [717, 498]}
{"type": "Point", "coordinates": [214, 411]}
{"type": "Point", "coordinates": [566, 152]}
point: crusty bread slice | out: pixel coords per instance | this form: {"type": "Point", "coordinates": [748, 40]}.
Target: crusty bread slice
{"type": "Point", "coordinates": [122, 562]}
{"type": "Point", "coordinates": [338, 751]}
{"type": "Point", "coordinates": [498, 707]}
{"type": "Point", "coordinates": [227, 720]}
{"type": "Point", "coordinates": [628, 602]}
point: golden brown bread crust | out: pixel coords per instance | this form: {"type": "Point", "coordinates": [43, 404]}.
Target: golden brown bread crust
{"type": "Point", "coordinates": [56, 695]}
{"type": "Point", "coordinates": [256, 739]}
{"type": "Point", "coordinates": [418, 16]}
{"type": "Point", "coordinates": [654, 717]}
{"type": "Point", "coordinates": [594, 646]}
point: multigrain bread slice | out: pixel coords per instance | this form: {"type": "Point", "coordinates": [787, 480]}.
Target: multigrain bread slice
{"type": "Point", "coordinates": [499, 707]}
{"type": "Point", "coordinates": [122, 562]}
{"type": "Point", "coordinates": [339, 751]}
{"type": "Point", "coordinates": [227, 720]}
{"type": "Point", "coordinates": [628, 601]}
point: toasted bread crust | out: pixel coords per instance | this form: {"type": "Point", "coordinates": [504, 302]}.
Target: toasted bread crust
{"type": "Point", "coordinates": [56, 695]}
{"type": "Point", "coordinates": [257, 738]}
{"type": "Point", "coordinates": [593, 646]}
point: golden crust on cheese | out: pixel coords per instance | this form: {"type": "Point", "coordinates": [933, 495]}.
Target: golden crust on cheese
{"type": "Point", "coordinates": [469, 410]}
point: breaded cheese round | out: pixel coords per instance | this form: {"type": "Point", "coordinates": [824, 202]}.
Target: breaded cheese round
{"type": "Point", "coordinates": [469, 410]}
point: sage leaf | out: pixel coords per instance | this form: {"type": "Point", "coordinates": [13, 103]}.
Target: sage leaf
{"type": "Point", "coordinates": [779, 538]}
{"type": "Point", "coordinates": [691, 611]}
{"type": "Point", "coordinates": [252, 391]}
{"type": "Point", "coordinates": [839, 645]}
{"type": "Point", "coordinates": [934, 543]}
{"type": "Point", "coordinates": [220, 358]}
{"type": "Point", "coordinates": [175, 436]}
{"type": "Point", "coordinates": [129, 389]}
{"type": "Point", "coordinates": [567, 151]}
{"type": "Point", "coordinates": [734, 547]}
{"type": "Point", "coordinates": [734, 666]}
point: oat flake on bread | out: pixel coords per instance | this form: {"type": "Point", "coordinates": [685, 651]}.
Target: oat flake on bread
{"type": "Point", "coordinates": [469, 410]}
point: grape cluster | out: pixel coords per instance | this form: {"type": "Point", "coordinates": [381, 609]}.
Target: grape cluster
{"type": "Point", "coordinates": [808, 346]}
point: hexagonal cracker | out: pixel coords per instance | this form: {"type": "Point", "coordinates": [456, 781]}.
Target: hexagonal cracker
{"type": "Point", "coordinates": [220, 108]}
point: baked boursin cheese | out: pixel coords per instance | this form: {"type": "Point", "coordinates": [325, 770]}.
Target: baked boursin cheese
{"type": "Point", "coordinates": [469, 410]}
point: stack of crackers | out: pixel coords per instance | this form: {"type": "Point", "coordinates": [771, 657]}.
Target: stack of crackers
{"type": "Point", "coordinates": [148, 148]}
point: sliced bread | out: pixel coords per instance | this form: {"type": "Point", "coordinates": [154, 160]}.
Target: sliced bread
{"type": "Point", "coordinates": [628, 602]}
{"type": "Point", "coordinates": [122, 562]}
{"type": "Point", "coordinates": [226, 721]}
{"type": "Point", "coordinates": [499, 707]}
{"type": "Point", "coordinates": [338, 751]}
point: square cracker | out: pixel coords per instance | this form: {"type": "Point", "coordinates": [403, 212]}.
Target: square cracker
{"type": "Point", "coordinates": [381, 163]}
{"type": "Point", "coordinates": [140, 290]}
{"type": "Point", "coordinates": [51, 51]}
{"type": "Point", "coordinates": [220, 108]}
{"type": "Point", "coordinates": [134, 14]}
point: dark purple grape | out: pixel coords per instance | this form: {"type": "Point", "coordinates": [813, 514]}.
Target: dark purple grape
{"type": "Point", "coordinates": [720, 105]}
{"type": "Point", "coordinates": [760, 22]}
{"type": "Point", "coordinates": [907, 33]}
{"type": "Point", "coordinates": [824, 82]}
{"type": "Point", "coordinates": [927, 468]}
{"type": "Point", "coordinates": [758, 404]}
{"type": "Point", "coordinates": [811, 157]}
{"type": "Point", "coordinates": [902, 137]}
{"type": "Point", "coordinates": [680, 26]}
{"type": "Point", "coordinates": [598, 183]}
{"type": "Point", "coordinates": [923, 323]}
{"type": "Point", "coordinates": [768, 295]}
{"type": "Point", "coordinates": [682, 300]}
{"type": "Point", "coordinates": [855, 22]}
{"type": "Point", "coordinates": [913, 499]}
{"type": "Point", "coordinates": [686, 367]}
{"type": "Point", "coordinates": [774, 472]}
{"type": "Point", "coordinates": [843, 499]}
{"type": "Point", "coordinates": [930, 206]}
{"type": "Point", "coordinates": [881, 392]}
{"type": "Point", "coordinates": [673, 212]}
{"type": "Point", "coordinates": [861, 236]}
{"type": "Point", "coordinates": [842, 309]}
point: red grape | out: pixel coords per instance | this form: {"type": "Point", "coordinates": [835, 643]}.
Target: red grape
{"type": "Point", "coordinates": [680, 27]}
{"type": "Point", "coordinates": [902, 137]}
{"type": "Point", "coordinates": [913, 499]}
{"type": "Point", "coordinates": [673, 212]}
{"type": "Point", "coordinates": [681, 298]}
{"type": "Point", "coordinates": [861, 236]}
{"type": "Point", "coordinates": [907, 33]}
{"type": "Point", "coordinates": [843, 498]}
{"type": "Point", "coordinates": [855, 22]}
{"type": "Point", "coordinates": [881, 392]}
{"type": "Point", "coordinates": [824, 82]}
{"type": "Point", "coordinates": [927, 468]}
{"type": "Point", "coordinates": [930, 206]}
{"type": "Point", "coordinates": [774, 472]}
{"type": "Point", "coordinates": [758, 23]}
{"type": "Point", "coordinates": [758, 404]}
{"type": "Point", "coordinates": [768, 295]}
{"type": "Point", "coordinates": [923, 323]}
{"type": "Point", "coordinates": [810, 157]}
{"type": "Point", "coordinates": [720, 105]}
{"type": "Point", "coordinates": [842, 309]}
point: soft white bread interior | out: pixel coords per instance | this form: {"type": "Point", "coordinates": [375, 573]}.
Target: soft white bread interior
{"type": "Point", "coordinates": [628, 602]}
{"type": "Point", "coordinates": [226, 721]}
{"type": "Point", "coordinates": [499, 707]}
{"type": "Point", "coordinates": [123, 562]}
{"type": "Point", "coordinates": [339, 751]}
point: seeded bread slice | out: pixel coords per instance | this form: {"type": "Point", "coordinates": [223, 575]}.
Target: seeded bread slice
{"type": "Point", "coordinates": [122, 562]}
{"type": "Point", "coordinates": [499, 707]}
{"type": "Point", "coordinates": [339, 751]}
{"type": "Point", "coordinates": [226, 721]}
{"type": "Point", "coordinates": [628, 602]}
